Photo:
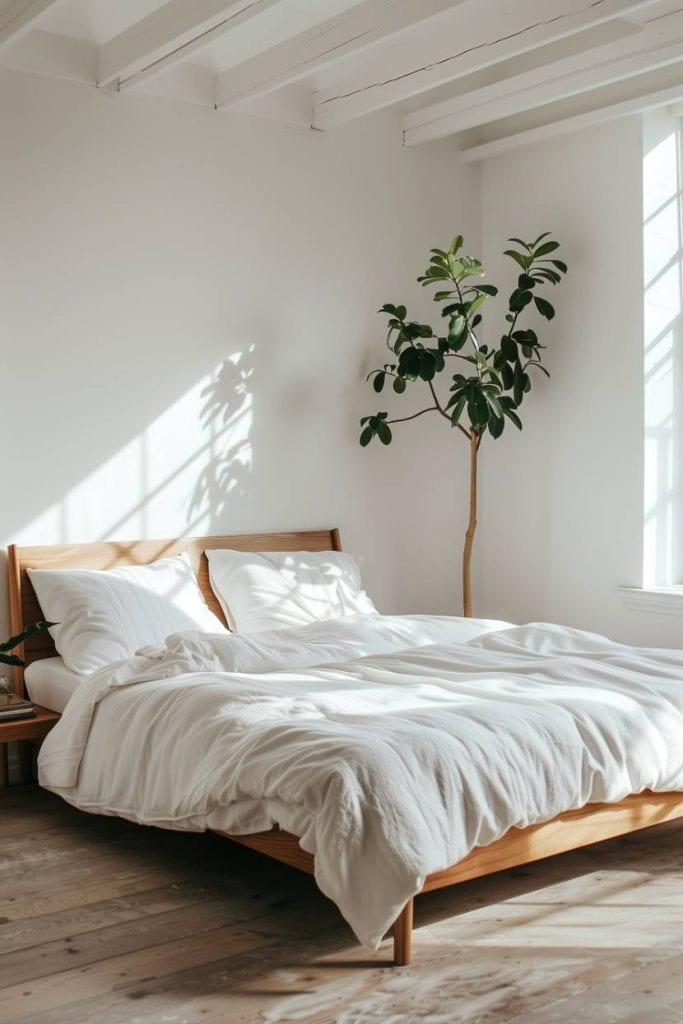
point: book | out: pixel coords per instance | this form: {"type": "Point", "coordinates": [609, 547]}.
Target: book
{"type": "Point", "coordinates": [14, 706]}
{"type": "Point", "coordinates": [12, 716]}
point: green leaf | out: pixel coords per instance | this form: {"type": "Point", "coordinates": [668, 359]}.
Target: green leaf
{"type": "Point", "coordinates": [519, 299]}
{"type": "Point", "coordinates": [475, 304]}
{"type": "Point", "coordinates": [544, 307]}
{"type": "Point", "coordinates": [496, 426]}
{"type": "Point", "coordinates": [11, 659]}
{"type": "Point", "coordinates": [384, 432]}
{"type": "Point", "coordinates": [545, 249]}
{"type": "Point", "coordinates": [518, 383]}
{"type": "Point", "coordinates": [458, 409]}
{"type": "Point", "coordinates": [495, 405]}
{"type": "Point", "coordinates": [518, 241]}
{"type": "Point", "coordinates": [441, 296]}
{"type": "Point", "coordinates": [454, 307]}
{"type": "Point", "coordinates": [561, 265]}
{"type": "Point", "coordinates": [14, 641]}
{"type": "Point", "coordinates": [399, 385]}
{"type": "Point", "coordinates": [427, 365]}
{"type": "Point", "coordinates": [525, 282]}
{"type": "Point", "coordinates": [511, 415]}
{"type": "Point", "coordinates": [378, 381]}
{"type": "Point", "coordinates": [455, 328]}
{"type": "Point", "coordinates": [455, 266]}
{"type": "Point", "coordinates": [523, 261]}
{"type": "Point", "coordinates": [456, 244]}
{"type": "Point", "coordinates": [401, 312]}
{"type": "Point", "coordinates": [544, 274]}
{"type": "Point", "coordinates": [488, 289]}
{"type": "Point", "coordinates": [366, 436]}
{"type": "Point", "coordinates": [388, 308]}
{"type": "Point", "coordinates": [508, 347]}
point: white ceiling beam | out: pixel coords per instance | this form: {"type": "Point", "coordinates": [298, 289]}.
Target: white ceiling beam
{"type": "Point", "coordinates": [53, 56]}
{"type": "Point", "coordinates": [658, 44]}
{"type": "Point", "coordinates": [291, 106]}
{"type": "Point", "coordinates": [351, 31]}
{"type": "Point", "coordinates": [18, 17]}
{"type": "Point", "coordinates": [169, 35]}
{"type": "Point", "coordinates": [599, 114]}
{"type": "Point", "coordinates": [457, 44]}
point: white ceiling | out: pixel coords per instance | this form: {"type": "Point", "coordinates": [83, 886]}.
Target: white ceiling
{"type": "Point", "coordinates": [492, 73]}
{"type": "Point", "coordinates": [95, 20]}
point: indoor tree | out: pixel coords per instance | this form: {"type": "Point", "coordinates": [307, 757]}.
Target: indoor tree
{"type": "Point", "coordinates": [491, 388]}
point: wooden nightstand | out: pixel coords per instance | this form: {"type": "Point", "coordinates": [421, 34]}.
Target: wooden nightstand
{"type": "Point", "coordinates": [29, 729]}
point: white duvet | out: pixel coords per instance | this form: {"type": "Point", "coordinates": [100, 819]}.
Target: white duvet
{"type": "Point", "coordinates": [390, 745]}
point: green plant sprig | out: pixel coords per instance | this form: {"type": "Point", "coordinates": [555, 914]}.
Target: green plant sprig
{"type": "Point", "coordinates": [492, 391]}
{"type": "Point", "coordinates": [15, 641]}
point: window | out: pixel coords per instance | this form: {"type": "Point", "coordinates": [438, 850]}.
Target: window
{"type": "Point", "coordinates": [663, 358]}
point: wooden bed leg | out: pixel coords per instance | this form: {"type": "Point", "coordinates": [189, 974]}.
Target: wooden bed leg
{"type": "Point", "coordinates": [403, 935]}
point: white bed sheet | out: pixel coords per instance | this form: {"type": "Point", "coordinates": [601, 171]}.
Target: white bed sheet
{"type": "Point", "coordinates": [51, 684]}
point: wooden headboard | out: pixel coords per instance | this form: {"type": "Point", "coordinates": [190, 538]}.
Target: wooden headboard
{"type": "Point", "coordinates": [23, 603]}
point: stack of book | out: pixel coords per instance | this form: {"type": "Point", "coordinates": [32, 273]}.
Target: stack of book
{"type": "Point", "coordinates": [12, 707]}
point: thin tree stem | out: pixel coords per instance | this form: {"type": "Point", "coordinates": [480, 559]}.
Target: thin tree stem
{"type": "Point", "coordinates": [471, 528]}
{"type": "Point", "coordinates": [404, 419]}
{"type": "Point", "coordinates": [443, 412]}
{"type": "Point", "coordinates": [437, 403]}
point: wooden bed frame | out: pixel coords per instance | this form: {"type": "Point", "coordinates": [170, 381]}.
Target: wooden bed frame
{"type": "Point", "coordinates": [566, 832]}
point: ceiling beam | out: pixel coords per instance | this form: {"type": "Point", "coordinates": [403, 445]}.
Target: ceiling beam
{"type": "Point", "coordinates": [600, 113]}
{"type": "Point", "coordinates": [351, 31]}
{"type": "Point", "coordinates": [169, 35]}
{"type": "Point", "coordinates": [456, 44]}
{"type": "Point", "coordinates": [18, 17]}
{"type": "Point", "coordinates": [656, 45]}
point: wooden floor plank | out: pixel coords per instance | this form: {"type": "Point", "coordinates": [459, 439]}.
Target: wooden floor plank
{"type": "Point", "coordinates": [115, 939]}
{"type": "Point", "coordinates": [32, 931]}
{"type": "Point", "coordinates": [167, 927]}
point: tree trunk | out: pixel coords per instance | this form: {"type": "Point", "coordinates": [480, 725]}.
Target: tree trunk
{"type": "Point", "coordinates": [471, 527]}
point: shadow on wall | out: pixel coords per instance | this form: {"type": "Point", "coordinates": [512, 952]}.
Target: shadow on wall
{"type": "Point", "coordinates": [227, 419]}
{"type": "Point", "coordinates": [178, 473]}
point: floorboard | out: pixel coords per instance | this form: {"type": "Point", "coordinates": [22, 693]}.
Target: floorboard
{"type": "Point", "coordinates": [101, 920]}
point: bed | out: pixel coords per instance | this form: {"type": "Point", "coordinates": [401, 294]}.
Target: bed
{"type": "Point", "coordinates": [519, 845]}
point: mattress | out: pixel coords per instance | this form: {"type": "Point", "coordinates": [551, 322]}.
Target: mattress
{"type": "Point", "coordinates": [50, 683]}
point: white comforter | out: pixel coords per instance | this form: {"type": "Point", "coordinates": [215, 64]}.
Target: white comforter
{"type": "Point", "coordinates": [431, 737]}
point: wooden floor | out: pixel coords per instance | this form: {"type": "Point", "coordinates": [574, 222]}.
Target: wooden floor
{"type": "Point", "coordinates": [102, 921]}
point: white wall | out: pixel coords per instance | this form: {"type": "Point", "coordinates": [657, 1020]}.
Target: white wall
{"type": "Point", "coordinates": [144, 244]}
{"type": "Point", "coordinates": [561, 521]}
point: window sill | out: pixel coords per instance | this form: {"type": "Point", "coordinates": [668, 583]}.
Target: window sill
{"type": "Point", "coordinates": [661, 600]}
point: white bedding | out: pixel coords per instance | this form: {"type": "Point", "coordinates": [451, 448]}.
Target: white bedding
{"type": "Point", "coordinates": [389, 766]}
{"type": "Point", "coordinates": [51, 684]}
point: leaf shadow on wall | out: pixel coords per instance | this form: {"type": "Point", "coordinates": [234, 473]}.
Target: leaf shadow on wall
{"type": "Point", "coordinates": [227, 418]}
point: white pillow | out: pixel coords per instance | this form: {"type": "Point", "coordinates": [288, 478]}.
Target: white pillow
{"type": "Point", "coordinates": [286, 588]}
{"type": "Point", "coordinates": [105, 616]}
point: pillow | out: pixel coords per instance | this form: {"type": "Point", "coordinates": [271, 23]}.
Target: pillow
{"type": "Point", "coordinates": [286, 588]}
{"type": "Point", "coordinates": [104, 616]}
